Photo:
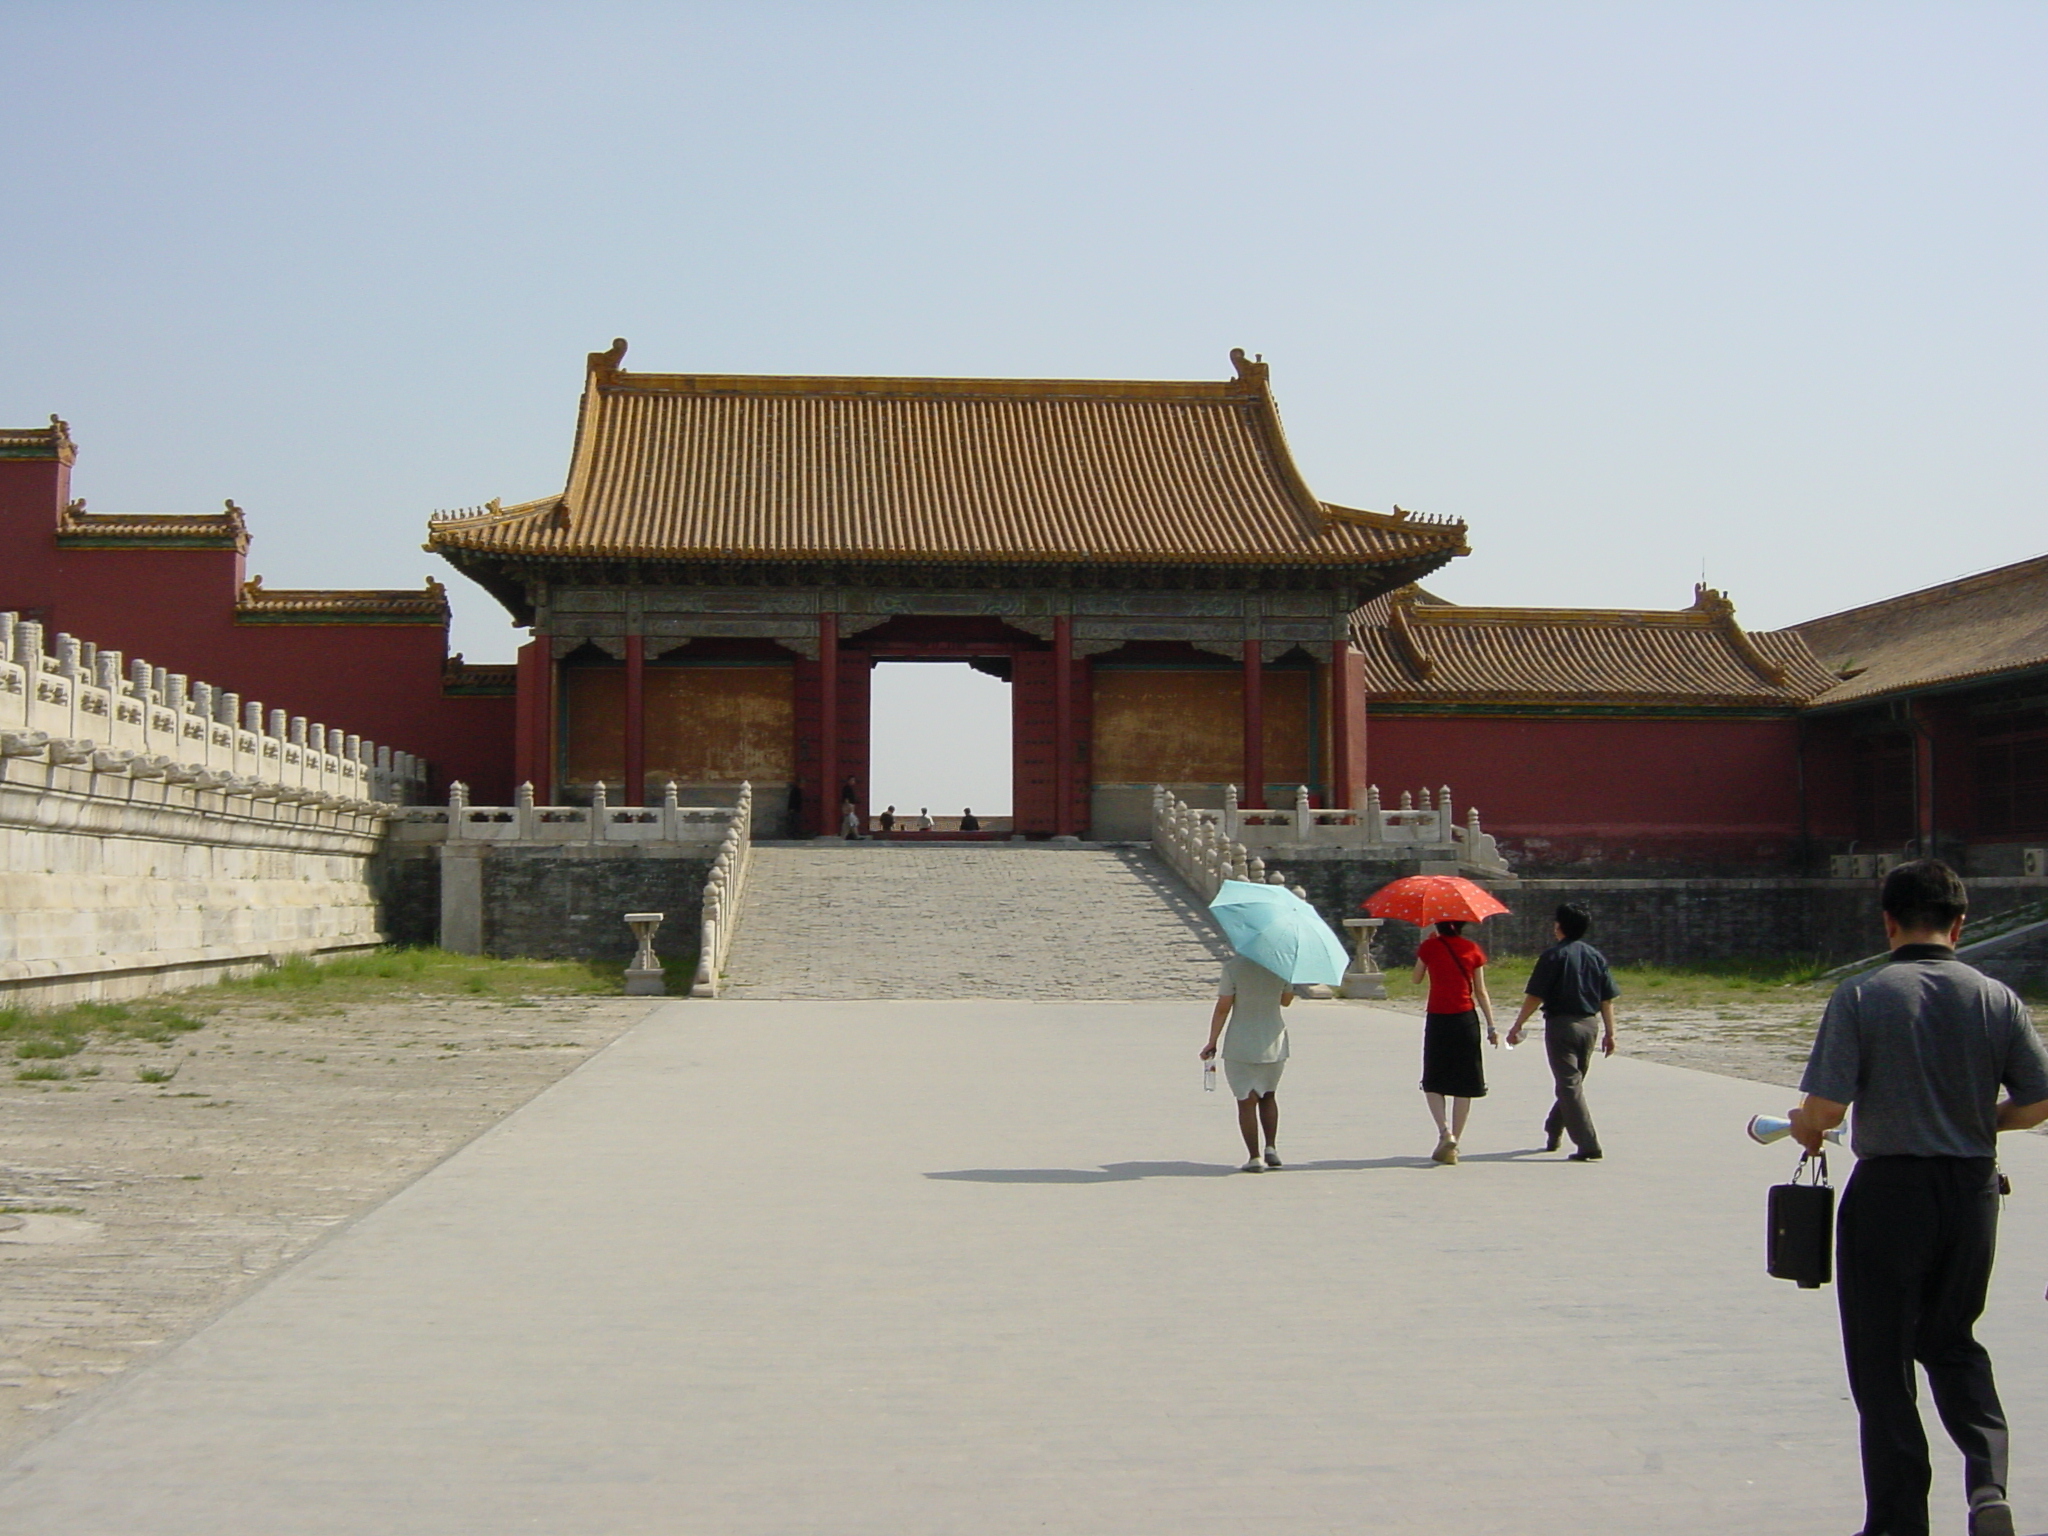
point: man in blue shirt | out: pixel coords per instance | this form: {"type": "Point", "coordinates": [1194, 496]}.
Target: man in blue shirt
{"type": "Point", "coordinates": [1921, 1046]}
{"type": "Point", "coordinates": [1572, 985]}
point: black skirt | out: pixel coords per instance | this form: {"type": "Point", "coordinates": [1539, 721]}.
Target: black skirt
{"type": "Point", "coordinates": [1451, 1063]}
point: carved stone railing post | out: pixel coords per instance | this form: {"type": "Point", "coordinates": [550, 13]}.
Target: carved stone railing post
{"type": "Point", "coordinates": [1375, 821]}
{"type": "Point", "coordinates": [1304, 818]}
{"type": "Point", "coordinates": [1230, 810]}
{"type": "Point", "coordinates": [723, 891]}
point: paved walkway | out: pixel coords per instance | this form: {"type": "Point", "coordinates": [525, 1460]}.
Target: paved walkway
{"type": "Point", "coordinates": [867, 920]}
{"type": "Point", "coordinates": [980, 1268]}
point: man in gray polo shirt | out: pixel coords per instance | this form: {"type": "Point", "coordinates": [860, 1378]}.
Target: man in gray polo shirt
{"type": "Point", "coordinates": [1921, 1046]}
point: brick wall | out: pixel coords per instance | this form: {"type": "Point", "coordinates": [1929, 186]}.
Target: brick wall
{"type": "Point", "coordinates": [1666, 921]}
{"type": "Point", "coordinates": [554, 903]}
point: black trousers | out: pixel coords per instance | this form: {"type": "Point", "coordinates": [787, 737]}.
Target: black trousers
{"type": "Point", "coordinates": [1569, 1045]}
{"type": "Point", "coordinates": [1913, 1252]}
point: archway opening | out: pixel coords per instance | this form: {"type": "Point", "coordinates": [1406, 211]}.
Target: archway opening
{"type": "Point", "coordinates": [940, 739]}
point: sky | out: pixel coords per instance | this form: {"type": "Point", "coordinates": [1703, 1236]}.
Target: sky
{"type": "Point", "coordinates": [1640, 292]}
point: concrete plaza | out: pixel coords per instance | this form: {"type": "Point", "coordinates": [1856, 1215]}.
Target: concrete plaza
{"type": "Point", "coordinates": [983, 1267]}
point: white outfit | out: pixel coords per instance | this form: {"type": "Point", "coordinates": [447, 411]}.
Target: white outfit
{"type": "Point", "coordinates": [1254, 1048]}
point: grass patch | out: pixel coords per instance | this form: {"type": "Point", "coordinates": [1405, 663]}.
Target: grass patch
{"type": "Point", "coordinates": [59, 1032]}
{"type": "Point", "coordinates": [1709, 984]}
{"type": "Point", "coordinates": [47, 1072]}
{"type": "Point", "coordinates": [54, 1048]}
{"type": "Point", "coordinates": [155, 1074]}
{"type": "Point", "coordinates": [415, 972]}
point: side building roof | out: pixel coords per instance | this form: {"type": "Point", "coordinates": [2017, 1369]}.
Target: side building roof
{"type": "Point", "coordinates": [1424, 653]}
{"type": "Point", "coordinates": [719, 467]}
{"type": "Point", "coordinates": [257, 604]}
{"type": "Point", "coordinates": [1968, 631]}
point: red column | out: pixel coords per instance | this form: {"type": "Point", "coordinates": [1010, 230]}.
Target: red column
{"type": "Point", "coordinates": [1346, 761]}
{"type": "Point", "coordinates": [1063, 725]}
{"type": "Point", "coordinates": [828, 723]}
{"type": "Point", "coordinates": [1252, 793]}
{"type": "Point", "coordinates": [636, 720]}
{"type": "Point", "coordinates": [533, 717]}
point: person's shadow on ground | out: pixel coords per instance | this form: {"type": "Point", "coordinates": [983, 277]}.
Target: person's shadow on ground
{"type": "Point", "coordinates": [1112, 1173]}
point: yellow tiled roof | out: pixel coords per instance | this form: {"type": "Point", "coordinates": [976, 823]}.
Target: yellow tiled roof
{"type": "Point", "coordinates": [259, 605]}
{"type": "Point", "coordinates": [1426, 652]}
{"type": "Point", "coordinates": [51, 442]}
{"type": "Point", "coordinates": [1978, 627]}
{"type": "Point", "coordinates": [695, 466]}
{"type": "Point", "coordinates": [216, 530]}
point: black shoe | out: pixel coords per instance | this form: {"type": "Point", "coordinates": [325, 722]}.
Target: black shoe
{"type": "Point", "coordinates": [1583, 1156]}
{"type": "Point", "coordinates": [1991, 1520]}
{"type": "Point", "coordinates": [1552, 1140]}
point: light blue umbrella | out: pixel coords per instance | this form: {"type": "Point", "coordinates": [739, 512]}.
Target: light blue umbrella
{"type": "Point", "coordinates": [1271, 926]}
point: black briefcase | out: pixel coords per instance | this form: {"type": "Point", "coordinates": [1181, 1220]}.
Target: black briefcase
{"type": "Point", "coordinates": [1801, 1243]}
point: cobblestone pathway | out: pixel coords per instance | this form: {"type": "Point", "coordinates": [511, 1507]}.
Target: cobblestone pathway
{"type": "Point", "coordinates": [875, 920]}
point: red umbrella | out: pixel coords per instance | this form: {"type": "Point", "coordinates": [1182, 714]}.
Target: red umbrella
{"type": "Point", "coordinates": [1426, 899]}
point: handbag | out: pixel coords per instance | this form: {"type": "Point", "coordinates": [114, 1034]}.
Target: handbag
{"type": "Point", "coordinates": [1800, 1242]}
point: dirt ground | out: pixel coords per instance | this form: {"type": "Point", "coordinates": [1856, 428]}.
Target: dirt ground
{"type": "Point", "coordinates": [131, 1212]}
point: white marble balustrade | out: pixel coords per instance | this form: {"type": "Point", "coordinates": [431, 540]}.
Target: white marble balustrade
{"type": "Point", "coordinates": [68, 703]}
{"type": "Point", "coordinates": [723, 891]}
{"type": "Point", "coordinates": [1422, 826]}
{"type": "Point", "coordinates": [705, 826]}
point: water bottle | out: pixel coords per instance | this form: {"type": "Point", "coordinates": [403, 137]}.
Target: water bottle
{"type": "Point", "coordinates": [1209, 1076]}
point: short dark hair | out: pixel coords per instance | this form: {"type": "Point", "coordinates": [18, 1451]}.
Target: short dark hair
{"type": "Point", "coordinates": [1924, 894]}
{"type": "Point", "coordinates": [1573, 920]}
{"type": "Point", "coordinates": [1450, 930]}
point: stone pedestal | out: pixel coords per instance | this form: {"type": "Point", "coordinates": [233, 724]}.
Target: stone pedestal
{"type": "Point", "coordinates": [1363, 978]}
{"type": "Point", "coordinates": [645, 977]}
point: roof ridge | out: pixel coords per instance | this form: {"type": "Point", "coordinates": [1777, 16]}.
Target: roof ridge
{"type": "Point", "coordinates": [1922, 597]}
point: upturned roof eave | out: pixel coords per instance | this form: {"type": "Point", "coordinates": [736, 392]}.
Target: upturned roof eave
{"type": "Point", "coordinates": [1953, 682]}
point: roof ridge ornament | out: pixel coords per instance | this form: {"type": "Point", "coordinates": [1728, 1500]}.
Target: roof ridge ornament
{"type": "Point", "coordinates": [605, 365]}
{"type": "Point", "coordinates": [1720, 612]}
{"type": "Point", "coordinates": [1249, 370]}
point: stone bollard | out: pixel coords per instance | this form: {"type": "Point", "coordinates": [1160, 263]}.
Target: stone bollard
{"type": "Point", "coordinates": [644, 977]}
{"type": "Point", "coordinates": [1363, 978]}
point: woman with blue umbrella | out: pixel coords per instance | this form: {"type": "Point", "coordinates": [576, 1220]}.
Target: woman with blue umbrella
{"type": "Point", "coordinates": [1280, 940]}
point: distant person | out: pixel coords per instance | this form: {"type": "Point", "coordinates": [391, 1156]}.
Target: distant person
{"type": "Point", "coordinates": [1921, 1046]}
{"type": "Point", "coordinates": [1573, 987]}
{"type": "Point", "coordinates": [849, 820]}
{"type": "Point", "coordinates": [968, 822]}
{"type": "Point", "coordinates": [1452, 1064]}
{"type": "Point", "coordinates": [924, 819]}
{"type": "Point", "coordinates": [1249, 999]}
{"type": "Point", "coordinates": [888, 818]}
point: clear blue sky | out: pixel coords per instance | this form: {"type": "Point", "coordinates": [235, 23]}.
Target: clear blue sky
{"type": "Point", "coordinates": [1627, 287]}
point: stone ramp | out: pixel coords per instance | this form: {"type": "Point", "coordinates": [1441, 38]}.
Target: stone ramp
{"type": "Point", "coordinates": [883, 920]}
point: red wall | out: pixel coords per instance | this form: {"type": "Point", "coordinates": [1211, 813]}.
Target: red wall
{"type": "Point", "coordinates": [1568, 792]}
{"type": "Point", "coordinates": [175, 609]}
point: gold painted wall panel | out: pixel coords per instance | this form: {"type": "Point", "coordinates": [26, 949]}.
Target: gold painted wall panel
{"type": "Point", "coordinates": [1168, 727]}
{"type": "Point", "coordinates": [1158, 727]}
{"type": "Point", "coordinates": [594, 724]}
{"type": "Point", "coordinates": [1286, 696]}
{"type": "Point", "coordinates": [721, 725]}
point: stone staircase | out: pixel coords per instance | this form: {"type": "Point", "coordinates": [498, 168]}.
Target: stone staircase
{"type": "Point", "coordinates": [881, 920]}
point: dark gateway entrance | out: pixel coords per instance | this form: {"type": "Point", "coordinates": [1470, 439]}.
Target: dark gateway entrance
{"type": "Point", "coordinates": [1142, 560]}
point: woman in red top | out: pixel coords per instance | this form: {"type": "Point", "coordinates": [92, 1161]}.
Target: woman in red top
{"type": "Point", "coordinates": [1451, 1066]}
